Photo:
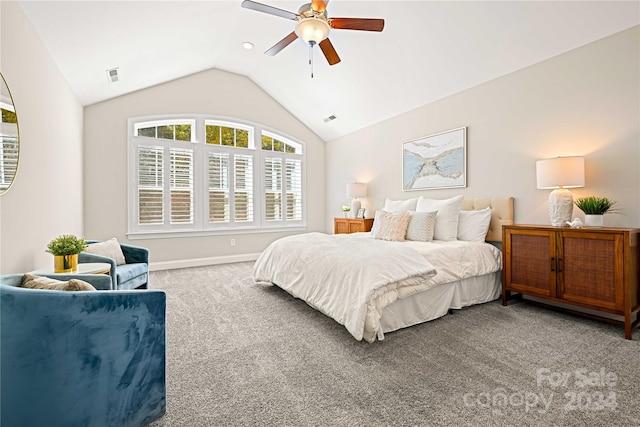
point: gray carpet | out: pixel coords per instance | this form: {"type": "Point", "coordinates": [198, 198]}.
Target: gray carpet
{"type": "Point", "coordinates": [243, 354]}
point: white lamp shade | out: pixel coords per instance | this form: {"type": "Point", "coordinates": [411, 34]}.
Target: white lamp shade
{"type": "Point", "coordinates": [560, 172]}
{"type": "Point", "coordinates": [312, 29]}
{"type": "Point", "coordinates": [356, 189]}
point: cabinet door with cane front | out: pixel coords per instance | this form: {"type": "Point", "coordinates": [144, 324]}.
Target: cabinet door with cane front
{"type": "Point", "coordinates": [592, 270]}
{"type": "Point", "coordinates": [531, 262]}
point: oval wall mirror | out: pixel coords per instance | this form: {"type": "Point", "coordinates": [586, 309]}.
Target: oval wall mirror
{"type": "Point", "coordinates": [9, 138]}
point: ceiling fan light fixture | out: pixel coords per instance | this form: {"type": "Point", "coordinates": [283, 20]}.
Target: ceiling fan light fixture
{"type": "Point", "coordinates": [312, 30]}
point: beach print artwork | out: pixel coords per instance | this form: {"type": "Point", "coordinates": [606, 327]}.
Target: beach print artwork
{"type": "Point", "coordinates": [436, 161]}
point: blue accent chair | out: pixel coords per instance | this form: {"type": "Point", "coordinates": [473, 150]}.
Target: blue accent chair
{"type": "Point", "coordinates": [89, 358]}
{"type": "Point", "coordinates": [132, 275]}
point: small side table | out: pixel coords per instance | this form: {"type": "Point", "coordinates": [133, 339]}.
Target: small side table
{"type": "Point", "coordinates": [83, 268]}
{"type": "Point", "coordinates": [351, 225]}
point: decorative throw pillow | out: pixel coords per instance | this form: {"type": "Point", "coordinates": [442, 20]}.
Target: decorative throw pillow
{"type": "Point", "coordinates": [446, 218]}
{"type": "Point", "coordinates": [473, 225]}
{"type": "Point", "coordinates": [109, 248]}
{"type": "Point", "coordinates": [390, 225]}
{"type": "Point", "coordinates": [39, 282]}
{"type": "Point", "coordinates": [421, 226]}
{"type": "Point", "coordinates": [400, 205]}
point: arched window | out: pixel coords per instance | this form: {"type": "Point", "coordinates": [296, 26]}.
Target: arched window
{"type": "Point", "coordinates": [206, 174]}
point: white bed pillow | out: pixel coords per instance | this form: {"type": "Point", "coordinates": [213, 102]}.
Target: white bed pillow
{"type": "Point", "coordinates": [401, 205]}
{"type": "Point", "coordinates": [446, 218]}
{"type": "Point", "coordinates": [390, 225]}
{"type": "Point", "coordinates": [474, 225]}
{"type": "Point", "coordinates": [421, 226]}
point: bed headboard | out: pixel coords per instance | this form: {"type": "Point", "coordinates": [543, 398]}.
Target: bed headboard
{"type": "Point", "coordinates": [501, 213]}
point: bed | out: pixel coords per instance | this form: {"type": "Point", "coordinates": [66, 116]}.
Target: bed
{"type": "Point", "coordinates": [373, 286]}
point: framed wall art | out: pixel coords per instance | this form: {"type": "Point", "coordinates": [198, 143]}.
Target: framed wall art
{"type": "Point", "coordinates": [435, 161]}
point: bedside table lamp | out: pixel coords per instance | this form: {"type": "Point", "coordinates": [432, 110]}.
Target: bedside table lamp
{"type": "Point", "coordinates": [560, 173]}
{"type": "Point", "coordinates": [355, 190]}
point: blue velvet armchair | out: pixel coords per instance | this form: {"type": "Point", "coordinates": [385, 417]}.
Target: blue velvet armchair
{"type": "Point", "coordinates": [90, 358]}
{"type": "Point", "coordinates": [134, 274]}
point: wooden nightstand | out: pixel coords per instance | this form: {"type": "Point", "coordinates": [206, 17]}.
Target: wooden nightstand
{"type": "Point", "coordinates": [351, 225]}
{"type": "Point", "coordinates": [593, 268]}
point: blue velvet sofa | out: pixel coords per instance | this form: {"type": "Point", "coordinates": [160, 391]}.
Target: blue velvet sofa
{"type": "Point", "coordinates": [90, 358]}
{"type": "Point", "coordinates": [132, 275]}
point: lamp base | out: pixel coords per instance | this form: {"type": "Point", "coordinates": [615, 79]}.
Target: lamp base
{"type": "Point", "coordinates": [560, 207]}
{"type": "Point", "coordinates": [355, 207]}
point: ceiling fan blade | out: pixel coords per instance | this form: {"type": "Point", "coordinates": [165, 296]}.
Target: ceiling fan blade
{"type": "Point", "coordinates": [319, 5]}
{"type": "Point", "coordinates": [281, 44]}
{"type": "Point", "coordinates": [259, 7]}
{"type": "Point", "coordinates": [363, 24]}
{"type": "Point", "coordinates": [329, 52]}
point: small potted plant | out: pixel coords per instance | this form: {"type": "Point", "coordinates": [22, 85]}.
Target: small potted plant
{"type": "Point", "coordinates": [594, 208]}
{"type": "Point", "coordinates": [345, 210]}
{"type": "Point", "coordinates": [65, 250]}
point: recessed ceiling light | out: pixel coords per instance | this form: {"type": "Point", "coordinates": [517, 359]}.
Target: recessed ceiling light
{"type": "Point", "coordinates": [247, 45]}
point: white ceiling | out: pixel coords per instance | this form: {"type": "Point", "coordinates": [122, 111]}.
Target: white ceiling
{"type": "Point", "coordinates": [428, 49]}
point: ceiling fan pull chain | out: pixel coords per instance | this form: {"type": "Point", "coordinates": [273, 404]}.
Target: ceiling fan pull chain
{"type": "Point", "coordinates": [311, 57]}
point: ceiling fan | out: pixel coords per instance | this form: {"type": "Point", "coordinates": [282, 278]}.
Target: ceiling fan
{"type": "Point", "coordinates": [314, 25]}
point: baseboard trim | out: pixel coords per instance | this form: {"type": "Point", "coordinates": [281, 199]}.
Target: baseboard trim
{"type": "Point", "coordinates": [199, 262]}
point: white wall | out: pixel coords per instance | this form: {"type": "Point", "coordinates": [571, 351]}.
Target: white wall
{"type": "Point", "coordinates": [585, 102]}
{"type": "Point", "coordinates": [209, 92]}
{"type": "Point", "coordinates": [46, 198]}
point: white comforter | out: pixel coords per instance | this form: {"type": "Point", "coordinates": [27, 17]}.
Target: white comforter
{"type": "Point", "coordinates": [457, 260]}
{"type": "Point", "coordinates": [348, 277]}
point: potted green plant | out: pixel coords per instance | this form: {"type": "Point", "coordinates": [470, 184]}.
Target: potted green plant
{"type": "Point", "coordinates": [65, 250]}
{"type": "Point", "coordinates": [345, 210]}
{"type": "Point", "coordinates": [594, 208]}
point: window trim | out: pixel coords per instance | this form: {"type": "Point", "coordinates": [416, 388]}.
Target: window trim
{"type": "Point", "coordinates": [201, 225]}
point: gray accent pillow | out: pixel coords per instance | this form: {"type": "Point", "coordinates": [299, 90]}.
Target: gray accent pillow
{"type": "Point", "coordinates": [39, 282]}
{"type": "Point", "coordinates": [421, 226]}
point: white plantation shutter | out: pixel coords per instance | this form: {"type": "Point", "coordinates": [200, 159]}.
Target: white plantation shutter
{"type": "Point", "coordinates": [293, 179]}
{"type": "Point", "coordinates": [218, 187]}
{"type": "Point", "coordinates": [9, 150]}
{"type": "Point", "coordinates": [273, 189]}
{"type": "Point", "coordinates": [181, 185]}
{"type": "Point", "coordinates": [201, 174]}
{"type": "Point", "coordinates": [243, 188]}
{"type": "Point", "coordinates": [150, 185]}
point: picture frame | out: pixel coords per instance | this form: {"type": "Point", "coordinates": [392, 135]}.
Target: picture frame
{"type": "Point", "coordinates": [435, 161]}
{"type": "Point", "coordinates": [360, 213]}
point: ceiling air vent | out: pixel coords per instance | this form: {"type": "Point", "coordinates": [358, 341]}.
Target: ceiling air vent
{"type": "Point", "coordinates": [112, 75]}
{"type": "Point", "coordinates": [330, 118]}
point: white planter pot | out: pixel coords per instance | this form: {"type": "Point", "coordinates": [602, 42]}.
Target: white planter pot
{"type": "Point", "coordinates": [594, 220]}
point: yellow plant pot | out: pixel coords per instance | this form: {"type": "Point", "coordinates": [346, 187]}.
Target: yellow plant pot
{"type": "Point", "coordinates": [65, 263]}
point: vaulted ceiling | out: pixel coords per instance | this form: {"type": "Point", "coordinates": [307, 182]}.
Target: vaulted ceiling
{"type": "Point", "coordinates": [428, 49]}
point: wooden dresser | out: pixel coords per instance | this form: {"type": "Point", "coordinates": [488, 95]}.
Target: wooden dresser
{"type": "Point", "coordinates": [592, 268]}
{"type": "Point", "coordinates": [351, 225]}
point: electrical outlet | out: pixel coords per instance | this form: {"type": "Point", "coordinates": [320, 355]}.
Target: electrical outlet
{"type": "Point", "coordinates": [233, 242]}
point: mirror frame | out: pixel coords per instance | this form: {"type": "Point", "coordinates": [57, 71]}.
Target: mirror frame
{"type": "Point", "coordinates": [13, 179]}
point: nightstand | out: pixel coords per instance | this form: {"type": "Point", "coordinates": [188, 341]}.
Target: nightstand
{"type": "Point", "coordinates": [351, 225]}
{"type": "Point", "coordinates": [592, 268]}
